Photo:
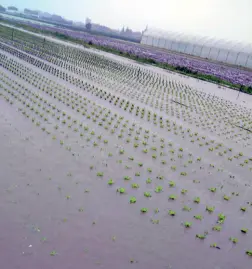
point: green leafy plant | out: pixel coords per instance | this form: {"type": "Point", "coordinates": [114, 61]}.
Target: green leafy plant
{"type": "Point", "coordinates": [121, 190]}
{"type": "Point", "coordinates": [172, 183]}
{"type": "Point", "coordinates": [173, 168]}
{"type": "Point", "coordinates": [184, 191]}
{"type": "Point", "coordinates": [244, 209]}
{"type": "Point", "coordinates": [234, 240]}
{"type": "Point", "coordinates": [134, 186]}
{"type": "Point", "coordinates": [155, 221]}
{"type": "Point", "coordinates": [111, 182]}
{"type": "Point", "coordinates": [198, 217]}
{"type": "Point", "coordinates": [53, 253]}
{"type": "Point", "coordinates": [244, 230]}
{"type": "Point", "coordinates": [187, 208]}
{"type": "Point", "coordinates": [210, 209]}
{"type": "Point", "coordinates": [249, 252]}
{"type": "Point", "coordinates": [212, 189]}
{"type": "Point", "coordinates": [226, 198]}
{"type": "Point", "coordinates": [196, 200]}
{"type": "Point", "coordinates": [144, 210]}
{"type": "Point", "coordinates": [217, 228]}
{"type": "Point", "coordinates": [132, 200]}
{"type": "Point", "coordinates": [214, 245]}
{"type": "Point", "coordinates": [172, 197]}
{"type": "Point", "coordinates": [172, 213]}
{"type": "Point", "coordinates": [201, 236]}
{"type": "Point", "coordinates": [221, 218]}
{"type": "Point", "coordinates": [148, 181]}
{"type": "Point", "coordinates": [158, 189]}
{"type": "Point", "coordinates": [137, 174]}
{"type": "Point", "coordinates": [156, 210]}
{"type": "Point", "coordinates": [147, 194]}
{"type": "Point", "coordinates": [127, 178]}
{"type": "Point", "coordinates": [187, 224]}
{"type": "Point", "coordinates": [99, 174]}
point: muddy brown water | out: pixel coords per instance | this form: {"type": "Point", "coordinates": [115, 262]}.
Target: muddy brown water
{"type": "Point", "coordinates": [36, 217]}
{"type": "Point", "coordinates": [50, 200]}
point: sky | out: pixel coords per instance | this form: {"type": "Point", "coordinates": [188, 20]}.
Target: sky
{"type": "Point", "coordinates": [221, 19]}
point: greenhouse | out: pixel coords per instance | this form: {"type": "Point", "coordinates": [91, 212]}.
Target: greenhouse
{"type": "Point", "coordinates": [226, 51]}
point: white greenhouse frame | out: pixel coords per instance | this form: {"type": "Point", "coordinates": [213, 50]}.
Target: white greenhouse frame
{"type": "Point", "coordinates": [205, 47]}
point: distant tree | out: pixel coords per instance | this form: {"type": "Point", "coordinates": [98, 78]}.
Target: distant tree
{"type": "Point", "coordinates": [2, 9]}
{"type": "Point", "coordinates": [88, 21]}
{"type": "Point", "coordinates": [89, 26]}
{"type": "Point", "coordinates": [12, 8]}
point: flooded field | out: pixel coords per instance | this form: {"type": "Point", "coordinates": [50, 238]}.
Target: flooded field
{"type": "Point", "coordinates": [106, 163]}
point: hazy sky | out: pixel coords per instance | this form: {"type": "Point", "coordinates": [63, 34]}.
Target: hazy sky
{"type": "Point", "coordinates": [228, 19]}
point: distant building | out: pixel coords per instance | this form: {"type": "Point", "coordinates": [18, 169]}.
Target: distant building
{"type": "Point", "coordinates": [79, 24]}
{"type": "Point", "coordinates": [31, 13]}
{"type": "Point", "coordinates": [12, 8]}
{"type": "Point", "coordinates": [130, 34]}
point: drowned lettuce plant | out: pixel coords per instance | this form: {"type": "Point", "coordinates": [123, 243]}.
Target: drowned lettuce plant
{"type": "Point", "coordinates": [172, 213]}
{"type": "Point", "coordinates": [210, 209]}
{"type": "Point", "coordinates": [172, 184]}
{"type": "Point", "coordinates": [214, 245]}
{"type": "Point", "coordinates": [187, 208]}
{"type": "Point", "coordinates": [201, 236]}
{"type": "Point", "coordinates": [148, 180]}
{"type": "Point", "coordinates": [111, 182]}
{"type": "Point", "coordinates": [233, 240]}
{"type": "Point", "coordinates": [196, 200]}
{"type": "Point", "coordinates": [187, 224]}
{"type": "Point", "coordinates": [121, 190]}
{"type": "Point", "coordinates": [172, 197]}
{"type": "Point", "coordinates": [147, 194]}
{"type": "Point", "coordinates": [134, 186]}
{"type": "Point", "coordinates": [212, 189]}
{"type": "Point", "coordinates": [217, 228]}
{"type": "Point", "coordinates": [132, 200]}
{"type": "Point", "coordinates": [249, 253]}
{"type": "Point", "coordinates": [53, 253]}
{"type": "Point", "coordinates": [144, 210]}
{"type": "Point", "coordinates": [221, 218]}
{"type": "Point", "coordinates": [226, 198]}
{"type": "Point", "coordinates": [244, 230]}
{"type": "Point", "coordinates": [158, 189]}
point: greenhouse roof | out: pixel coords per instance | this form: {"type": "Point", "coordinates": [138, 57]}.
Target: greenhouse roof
{"type": "Point", "coordinates": [201, 40]}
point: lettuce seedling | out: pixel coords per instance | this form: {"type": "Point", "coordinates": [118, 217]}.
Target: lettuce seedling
{"type": "Point", "coordinates": [132, 200]}
{"type": "Point", "coordinates": [147, 194]}
{"type": "Point", "coordinates": [134, 186]}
